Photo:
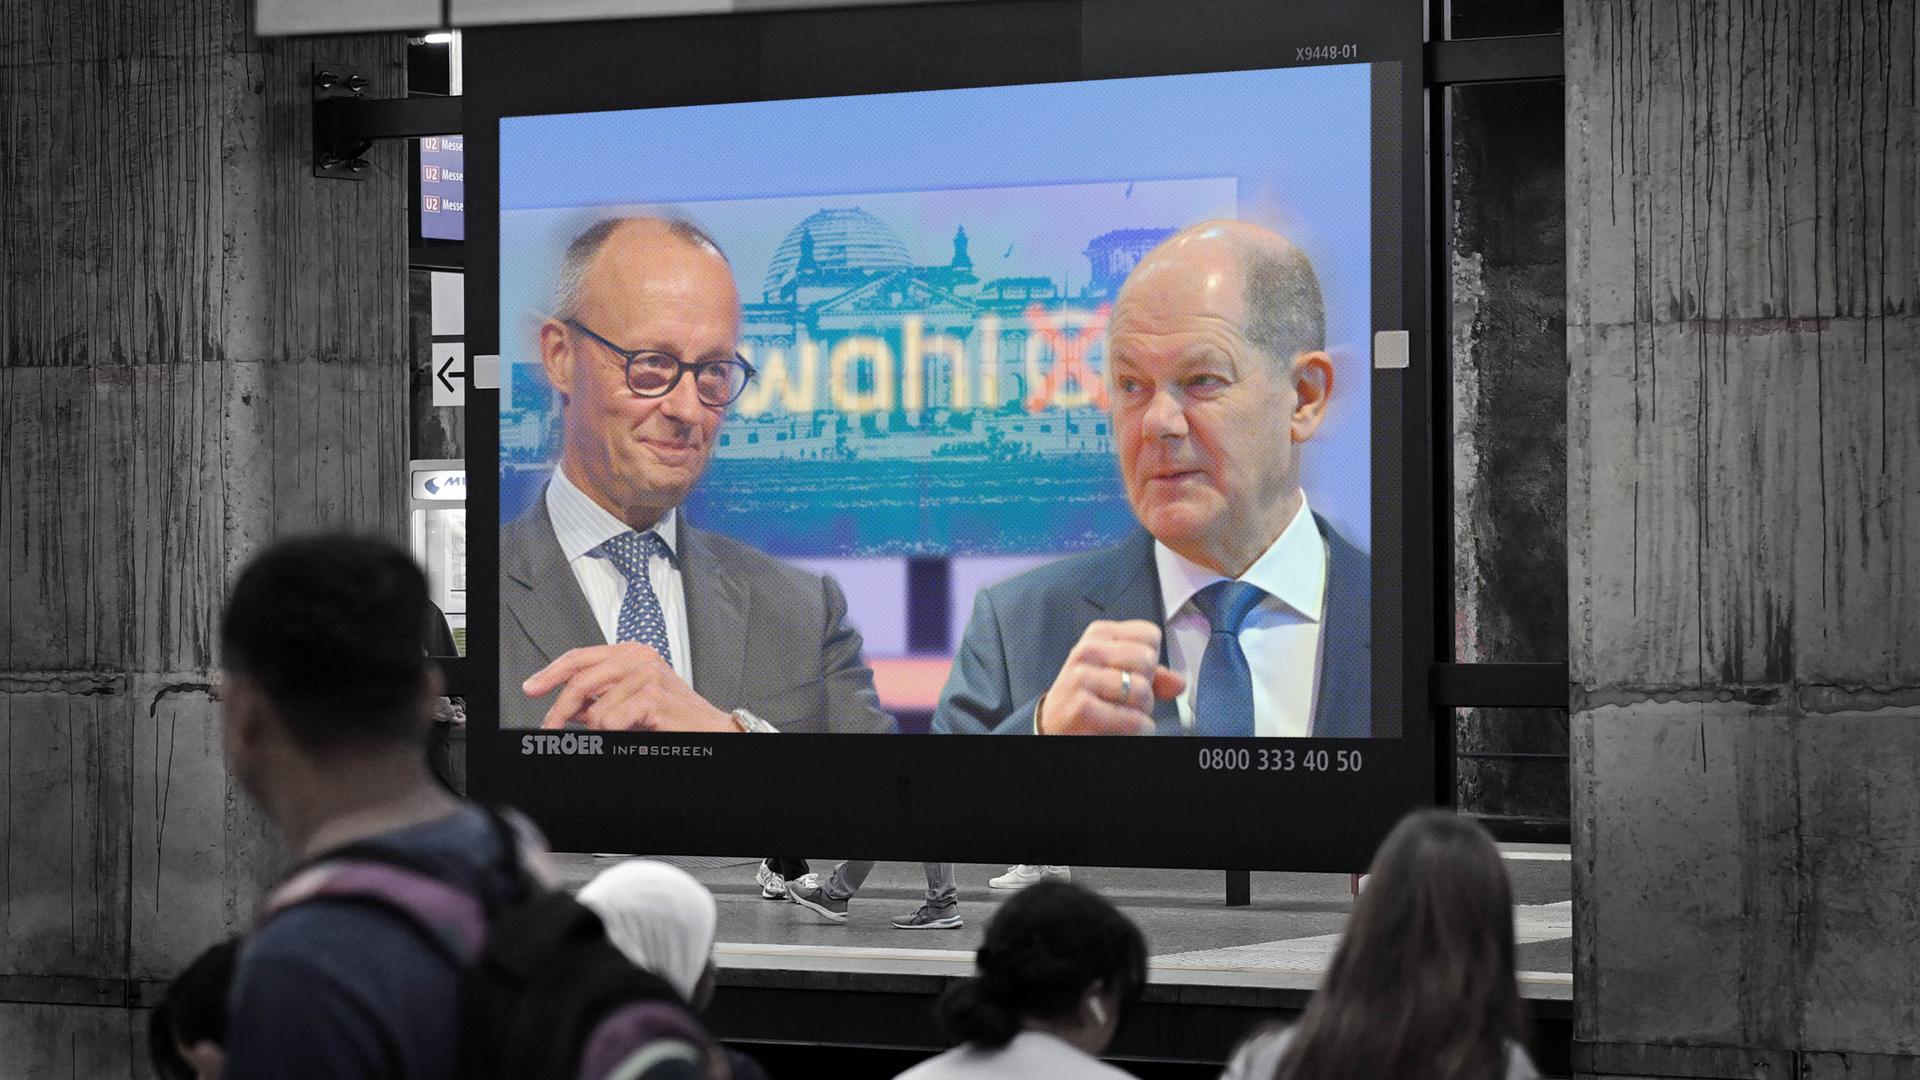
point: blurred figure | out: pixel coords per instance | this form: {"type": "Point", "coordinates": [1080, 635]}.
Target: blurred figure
{"type": "Point", "coordinates": [1422, 984]}
{"type": "Point", "coordinates": [1057, 972]}
{"type": "Point", "coordinates": [662, 918]}
{"type": "Point", "coordinates": [326, 701]}
{"type": "Point", "coordinates": [187, 1033]}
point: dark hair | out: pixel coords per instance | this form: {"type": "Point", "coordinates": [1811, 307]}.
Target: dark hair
{"type": "Point", "coordinates": [330, 628]}
{"type": "Point", "coordinates": [1042, 951]}
{"type": "Point", "coordinates": [1422, 985]}
{"type": "Point", "coordinates": [194, 1009]}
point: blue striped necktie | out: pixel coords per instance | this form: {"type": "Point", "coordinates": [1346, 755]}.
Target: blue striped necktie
{"type": "Point", "coordinates": [640, 617]}
{"type": "Point", "coordinates": [1223, 698]}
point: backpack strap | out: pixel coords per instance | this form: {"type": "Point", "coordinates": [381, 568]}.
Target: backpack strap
{"type": "Point", "coordinates": [524, 855]}
{"type": "Point", "coordinates": [451, 917]}
{"type": "Point", "coordinates": [644, 1039]}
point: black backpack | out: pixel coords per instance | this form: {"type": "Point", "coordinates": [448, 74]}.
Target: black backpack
{"type": "Point", "coordinates": [543, 994]}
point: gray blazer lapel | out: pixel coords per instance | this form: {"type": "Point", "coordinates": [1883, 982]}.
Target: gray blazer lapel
{"type": "Point", "coordinates": [538, 589]}
{"type": "Point", "coordinates": [717, 606]}
{"type": "Point", "coordinates": [1133, 592]}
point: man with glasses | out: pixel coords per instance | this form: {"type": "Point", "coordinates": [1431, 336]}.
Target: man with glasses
{"type": "Point", "coordinates": [616, 614]}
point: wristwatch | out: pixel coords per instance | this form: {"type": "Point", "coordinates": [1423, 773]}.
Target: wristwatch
{"type": "Point", "coordinates": [751, 723]}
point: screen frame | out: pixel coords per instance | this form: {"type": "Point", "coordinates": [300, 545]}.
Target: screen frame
{"type": "Point", "coordinates": [977, 799]}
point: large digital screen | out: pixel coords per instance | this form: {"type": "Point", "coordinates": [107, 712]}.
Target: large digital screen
{"type": "Point", "coordinates": [1048, 408]}
{"type": "Point", "coordinates": [926, 305]}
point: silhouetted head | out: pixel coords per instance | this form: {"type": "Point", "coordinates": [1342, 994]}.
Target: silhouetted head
{"type": "Point", "coordinates": [1422, 984]}
{"type": "Point", "coordinates": [1056, 957]}
{"type": "Point", "coordinates": [322, 657]}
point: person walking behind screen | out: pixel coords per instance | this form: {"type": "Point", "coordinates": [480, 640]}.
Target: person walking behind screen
{"type": "Point", "coordinates": [1422, 984]}
{"type": "Point", "coordinates": [1056, 974]}
{"type": "Point", "coordinates": [187, 1031]}
{"type": "Point", "coordinates": [1021, 875]}
{"type": "Point", "coordinates": [829, 898]}
{"type": "Point", "coordinates": [664, 921]}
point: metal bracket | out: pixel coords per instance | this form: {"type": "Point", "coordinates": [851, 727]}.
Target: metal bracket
{"type": "Point", "coordinates": [346, 122]}
{"type": "Point", "coordinates": [1498, 59]}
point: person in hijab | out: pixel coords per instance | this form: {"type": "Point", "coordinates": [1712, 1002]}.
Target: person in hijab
{"type": "Point", "coordinates": [664, 920]}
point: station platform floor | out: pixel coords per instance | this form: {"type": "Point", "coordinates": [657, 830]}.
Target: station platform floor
{"type": "Point", "coordinates": [1290, 927]}
{"type": "Point", "coordinates": [1214, 972]}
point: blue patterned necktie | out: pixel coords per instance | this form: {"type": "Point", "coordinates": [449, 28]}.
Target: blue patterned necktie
{"type": "Point", "coordinates": [1223, 698]}
{"type": "Point", "coordinates": [640, 618]}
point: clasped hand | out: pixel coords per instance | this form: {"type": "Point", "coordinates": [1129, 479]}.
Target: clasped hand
{"type": "Point", "coordinates": [622, 687]}
{"type": "Point", "coordinates": [1109, 683]}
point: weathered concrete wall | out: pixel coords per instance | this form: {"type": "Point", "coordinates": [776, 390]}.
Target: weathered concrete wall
{"type": "Point", "coordinates": [1508, 289]}
{"type": "Point", "coordinates": [203, 347]}
{"type": "Point", "coordinates": [1743, 188]}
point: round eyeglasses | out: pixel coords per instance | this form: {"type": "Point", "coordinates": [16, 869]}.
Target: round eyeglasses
{"type": "Point", "coordinates": [653, 374]}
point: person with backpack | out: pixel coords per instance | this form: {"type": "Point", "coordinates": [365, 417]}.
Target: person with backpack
{"type": "Point", "coordinates": [418, 938]}
{"type": "Point", "coordinates": [187, 1030]}
{"type": "Point", "coordinates": [1422, 984]}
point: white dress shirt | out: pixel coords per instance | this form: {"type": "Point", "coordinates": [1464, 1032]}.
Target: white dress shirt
{"type": "Point", "coordinates": [1032, 1055]}
{"type": "Point", "coordinates": [582, 525]}
{"type": "Point", "coordinates": [1281, 636]}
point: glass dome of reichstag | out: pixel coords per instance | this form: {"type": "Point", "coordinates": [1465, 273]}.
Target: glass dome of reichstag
{"type": "Point", "coordinates": [846, 238]}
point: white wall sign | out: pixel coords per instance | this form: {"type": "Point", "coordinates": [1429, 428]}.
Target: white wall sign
{"type": "Point", "coordinates": [449, 373]}
{"type": "Point", "coordinates": [440, 485]}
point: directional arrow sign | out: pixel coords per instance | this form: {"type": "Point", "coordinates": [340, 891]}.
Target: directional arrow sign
{"type": "Point", "coordinates": [449, 373]}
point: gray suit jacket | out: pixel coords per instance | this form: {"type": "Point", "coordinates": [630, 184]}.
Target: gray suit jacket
{"type": "Point", "coordinates": [1022, 630]}
{"type": "Point", "coordinates": [764, 636]}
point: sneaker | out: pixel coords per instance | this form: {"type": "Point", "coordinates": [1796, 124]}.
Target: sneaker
{"type": "Point", "coordinates": [930, 918]}
{"type": "Point", "coordinates": [772, 885]}
{"type": "Point", "coordinates": [1025, 874]}
{"type": "Point", "coordinates": [816, 900]}
{"type": "Point", "coordinates": [804, 881]}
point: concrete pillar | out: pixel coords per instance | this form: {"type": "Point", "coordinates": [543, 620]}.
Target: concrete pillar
{"type": "Point", "coordinates": [1743, 322]}
{"type": "Point", "coordinates": [201, 347]}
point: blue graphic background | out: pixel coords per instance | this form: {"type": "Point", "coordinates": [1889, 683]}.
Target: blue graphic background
{"type": "Point", "coordinates": [1059, 165]}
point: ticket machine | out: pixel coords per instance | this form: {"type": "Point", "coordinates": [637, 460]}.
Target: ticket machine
{"type": "Point", "coordinates": [437, 529]}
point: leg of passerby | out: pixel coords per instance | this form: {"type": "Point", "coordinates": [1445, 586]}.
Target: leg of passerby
{"type": "Point", "coordinates": [829, 898]}
{"type": "Point", "coordinates": [774, 874]}
{"type": "Point", "coordinates": [942, 908]}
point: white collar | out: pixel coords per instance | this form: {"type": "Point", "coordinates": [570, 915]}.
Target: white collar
{"type": "Point", "coordinates": [1293, 570]}
{"type": "Point", "coordinates": [582, 525]}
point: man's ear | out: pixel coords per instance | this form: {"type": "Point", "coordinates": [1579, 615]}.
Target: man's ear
{"type": "Point", "coordinates": [432, 688]}
{"type": "Point", "coordinates": [244, 715]}
{"type": "Point", "coordinates": [1312, 386]}
{"type": "Point", "coordinates": [556, 356]}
